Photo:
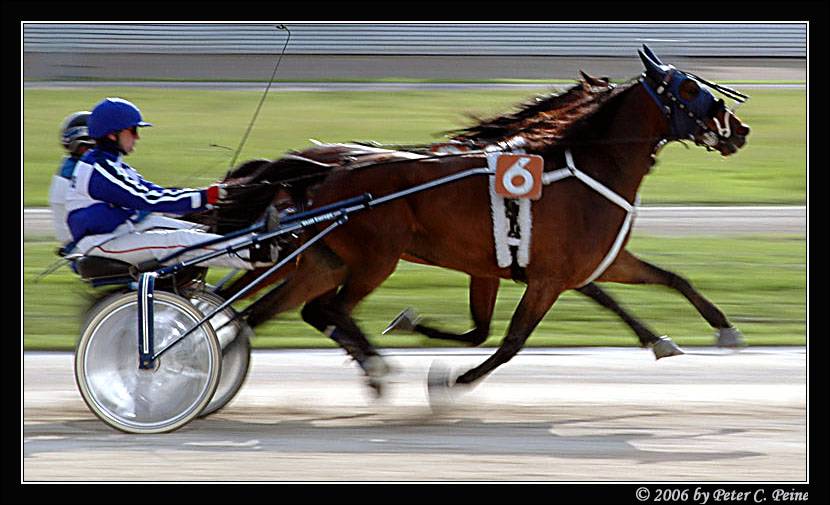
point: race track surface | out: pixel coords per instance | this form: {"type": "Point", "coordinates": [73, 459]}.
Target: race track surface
{"type": "Point", "coordinates": [567, 414]}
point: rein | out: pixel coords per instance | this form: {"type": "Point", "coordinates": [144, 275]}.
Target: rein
{"type": "Point", "coordinates": [729, 92]}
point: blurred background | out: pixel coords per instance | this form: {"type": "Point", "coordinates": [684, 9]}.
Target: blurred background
{"type": "Point", "coordinates": [733, 51]}
{"type": "Point", "coordinates": [407, 83]}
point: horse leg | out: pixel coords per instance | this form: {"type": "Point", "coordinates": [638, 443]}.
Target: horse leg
{"type": "Point", "coordinates": [317, 272]}
{"type": "Point", "coordinates": [628, 269]}
{"type": "Point", "coordinates": [327, 315]}
{"type": "Point", "coordinates": [321, 314]}
{"type": "Point", "coordinates": [331, 314]}
{"type": "Point", "coordinates": [535, 303]}
{"type": "Point", "coordinates": [661, 346]}
{"type": "Point", "coordinates": [483, 291]}
{"type": "Point", "coordinates": [646, 336]}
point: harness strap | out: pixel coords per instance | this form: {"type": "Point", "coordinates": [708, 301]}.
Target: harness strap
{"type": "Point", "coordinates": [596, 185]}
{"type": "Point", "coordinates": [556, 175]}
{"type": "Point", "coordinates": [615, 248]}
{"type": "Point", "coordinates": [631, 210]}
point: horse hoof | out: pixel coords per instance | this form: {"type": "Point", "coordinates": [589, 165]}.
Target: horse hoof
{"type": "Point", "coordinates": [439, 386]}
{"type": "Point", "coordinates": [665, 347]}
{"type": "Point", "coordinates": [730, 337]}
{"type": "Point", "coordinates": [377, 374]}
{"type": "Point", "coordinates": [405, 321]}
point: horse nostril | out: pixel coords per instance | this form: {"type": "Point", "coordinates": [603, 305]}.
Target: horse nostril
{"type": "Point", "coordinates": [743, 130]}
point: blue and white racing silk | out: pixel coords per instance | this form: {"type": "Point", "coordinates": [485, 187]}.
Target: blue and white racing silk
{"type": "Point", "coordinates": [57, 198]}
{"type": "Point", "coordinates": [106, 192]}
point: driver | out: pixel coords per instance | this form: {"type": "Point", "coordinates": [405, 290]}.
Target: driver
{"type": "Point", "coordinates": [113, 212]}
{"type": "Point", "coordinates": [75, 139]}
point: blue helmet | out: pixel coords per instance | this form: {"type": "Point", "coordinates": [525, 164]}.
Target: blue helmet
{"type": "Point", "coordinates": [113, 115]}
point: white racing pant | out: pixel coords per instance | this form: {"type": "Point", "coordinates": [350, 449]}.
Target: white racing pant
{"type": "Point", "coordinates": [157, 236]}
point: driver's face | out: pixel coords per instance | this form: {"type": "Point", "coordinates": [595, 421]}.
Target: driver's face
{"type": "Point", "coordinates": [127, 138]}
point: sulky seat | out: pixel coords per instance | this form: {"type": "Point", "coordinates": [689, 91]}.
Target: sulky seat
{"type": "Point", "coordinates": [97, 268]}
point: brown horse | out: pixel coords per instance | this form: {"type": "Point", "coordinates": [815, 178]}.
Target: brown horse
{"type": "Point", "coordinates": [611, 138]}
{"type": "Point", "coordinates": [298, 172]}
{"type": "Point", "coordinates": [626, 268]}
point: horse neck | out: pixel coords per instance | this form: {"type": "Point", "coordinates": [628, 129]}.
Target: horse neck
{"type": "Point", "coordinates": [622, 156]}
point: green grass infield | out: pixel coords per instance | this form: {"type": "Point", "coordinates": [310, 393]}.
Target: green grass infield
{"type": "Point", "coordinates": [197, 131]}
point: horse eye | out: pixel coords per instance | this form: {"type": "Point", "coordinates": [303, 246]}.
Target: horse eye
{"type": "Point", "coordinates": [689, 89]}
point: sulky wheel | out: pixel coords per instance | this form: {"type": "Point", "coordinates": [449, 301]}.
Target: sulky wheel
{"type": "Point", "coordinates": [157, 400]}
{"type": "Point", "coordinates": [234, 339]}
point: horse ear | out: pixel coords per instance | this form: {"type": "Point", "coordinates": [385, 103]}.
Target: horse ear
{"type": "Point", "coordinates": [651, 55]}
{"type": "Point", "coordinates": [590, 80]}
{"type": "Point", "coordinates": [651, 66]}
{"type": "Point", "coordinates": [583, 80]}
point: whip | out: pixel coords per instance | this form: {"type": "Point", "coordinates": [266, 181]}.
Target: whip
{"type": "Point", "coordinates": [262, 100]}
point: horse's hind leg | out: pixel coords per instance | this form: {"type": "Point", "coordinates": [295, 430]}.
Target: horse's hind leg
{"type": "Point", "coordinates": [318, 271]}
{"type": "Point", "coordinates": [331, 314]}
{"type": "Point", "coordinates": [483, 291]}
{"type": "Point", "coordinates": [628, 269]}
{"type": "Point", "coordinates": [326, 315]}
{"type": "Point", "coordinates": [536, 301]}
{"type": "Point", "coordinates": [661, 346]}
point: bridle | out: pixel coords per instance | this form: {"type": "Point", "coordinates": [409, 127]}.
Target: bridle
{"type": "Point", "coordinates": [678, 110]}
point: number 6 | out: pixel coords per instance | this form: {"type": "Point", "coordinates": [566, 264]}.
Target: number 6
{"type": "Point", "coordinates": [518, 170]}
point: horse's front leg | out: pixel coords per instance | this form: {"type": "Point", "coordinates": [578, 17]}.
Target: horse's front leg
{"type": "Point", "coordinates": [535, 303]}
{"type": "Point", "coordinates": [628, 269]}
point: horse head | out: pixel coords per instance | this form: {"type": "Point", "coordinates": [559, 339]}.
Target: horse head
{"type": "Point", "coordinates": [691, 109]}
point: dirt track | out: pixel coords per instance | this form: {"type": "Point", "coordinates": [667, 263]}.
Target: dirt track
{"type": "Point", "coordinates": [548, 415]}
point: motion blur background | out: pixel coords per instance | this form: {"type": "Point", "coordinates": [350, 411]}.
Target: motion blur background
{"type": "Point", "coordinates": [427, 51]}
{"type": "Point", "coordinates": [200, 84]}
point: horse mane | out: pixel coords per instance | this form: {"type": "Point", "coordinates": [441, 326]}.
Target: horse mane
{"type": "Point", "coordinates": [546, 121]}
